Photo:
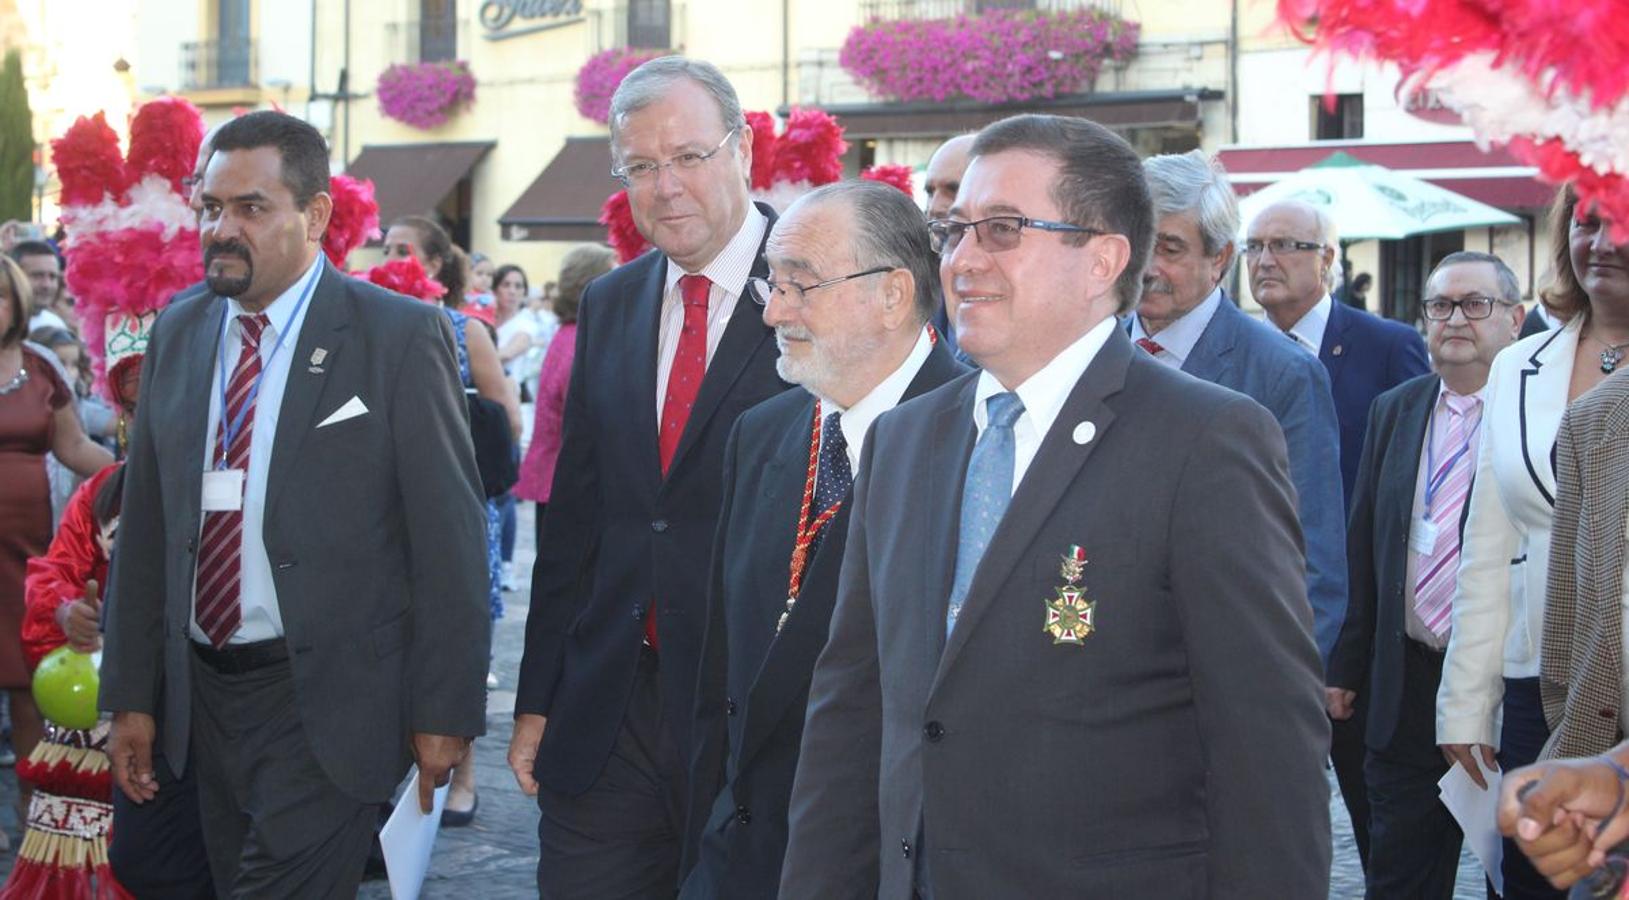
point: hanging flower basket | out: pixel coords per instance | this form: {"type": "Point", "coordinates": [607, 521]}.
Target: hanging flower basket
{"type": "Point", "coordinates": [1001, 56]}
{"type": "Point", "coordinates": [423, 95]}
{"type": "Point", "coordinates": [597, 80]}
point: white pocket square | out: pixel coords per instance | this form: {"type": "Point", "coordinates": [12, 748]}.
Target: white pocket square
{"type": "Point", "coordinates": [352, 408]}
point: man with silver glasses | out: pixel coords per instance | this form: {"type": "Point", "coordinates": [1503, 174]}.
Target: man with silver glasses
{"type": "Point", "coordinates": [669, 352]}
{"type": "Point", "coordinates": [1291, 251]}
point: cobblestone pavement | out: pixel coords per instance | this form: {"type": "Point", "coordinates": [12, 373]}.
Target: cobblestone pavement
{"type": "Point", "coordinates": [496, 856]}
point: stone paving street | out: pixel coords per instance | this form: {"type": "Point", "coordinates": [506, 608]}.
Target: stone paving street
{"type": "Point", "coordinates": [496, 857]}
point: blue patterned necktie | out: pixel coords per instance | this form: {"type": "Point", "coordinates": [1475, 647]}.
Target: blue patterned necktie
{"type": "Point", "coordinates": [985, 495]}
{"type": "Point", "coordinates": [835, 476]}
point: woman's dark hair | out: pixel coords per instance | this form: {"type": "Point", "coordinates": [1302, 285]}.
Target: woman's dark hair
{"type": "Point", "coordinates": [503, 271]}
{"type": "Point", "coordinates": [105, 506]}
{"type": "Point", "coordinates": [436, 244]}
{"type": "Point", "coordinates": [1563, 295]}
{"type": "Point", "coordinates": [582, 265]}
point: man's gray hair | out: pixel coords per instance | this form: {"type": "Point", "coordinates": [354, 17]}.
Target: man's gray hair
{"type": "Point", "coordinates": [650, 82]}
{"type": "Point", "coordinates": [1194, 183]}
{"type": "Point", "coordinates": [889, 230]}
{"type": "Point", "coordinates": [1510, 292]}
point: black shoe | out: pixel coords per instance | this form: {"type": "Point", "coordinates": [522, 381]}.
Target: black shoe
{"type": "Point", "coordinates": [451, 818]}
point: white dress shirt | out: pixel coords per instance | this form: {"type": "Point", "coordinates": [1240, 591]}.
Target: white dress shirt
{"type": "Point", "coordinates": [1177, 339]}
{"type": "Point", "coordinates": [856, 420]}
{"type": "Point", "coordinates": [1436, 429]}
{"type": "Point", "coordinates": [1043, 395]}
{"type": "Point", "coordinates": [257, 593]}
{"type": "Point", "coordinates": [1309, 332]}
{"type": "Point", "coordinates": [728, 273]}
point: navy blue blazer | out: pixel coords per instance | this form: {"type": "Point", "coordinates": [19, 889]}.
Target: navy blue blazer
{"type": "Point", "coordinates": [1366, 356]}
{"type": "Point", "coordinates": [1254, 358]}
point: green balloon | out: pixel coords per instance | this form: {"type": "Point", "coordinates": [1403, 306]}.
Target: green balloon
{"type": "Point", "coordinates": [65, 687]}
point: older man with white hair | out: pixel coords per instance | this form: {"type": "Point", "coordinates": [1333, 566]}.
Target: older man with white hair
{"type": "Point", "coordinates": [1291, 252]}
{"type": "Point", "coordinates": [1188, 322]}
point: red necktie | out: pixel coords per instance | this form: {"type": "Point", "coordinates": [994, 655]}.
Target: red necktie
{"type": "Point", "coordinates": [219, 558]}
{"type": "Point", "coordinates": [1150, 345]}
{"type": "Point", "coordinates": [683, 383]}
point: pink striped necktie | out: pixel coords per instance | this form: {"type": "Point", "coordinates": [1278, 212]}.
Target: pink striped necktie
{"type": "Point", "coordinates": [1438, 570]}
{"type": "Point", "coordinates": [217, 611]}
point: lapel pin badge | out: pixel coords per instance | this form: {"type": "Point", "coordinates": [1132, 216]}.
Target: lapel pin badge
{"type": "Point", "coordinates": [317, 356]}
{"type": "Point", "coordinates": [1336, 350]}
{"type": "Point", "coordinates": [1070, 617]}
{"type": "Point", "coordinates": [1084, 432]}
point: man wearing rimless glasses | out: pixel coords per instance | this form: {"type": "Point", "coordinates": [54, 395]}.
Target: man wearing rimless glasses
{"type": "Point", "coordinates": [1048, 675]}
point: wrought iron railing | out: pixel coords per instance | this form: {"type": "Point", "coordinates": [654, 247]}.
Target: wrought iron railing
{"type": "Point", "coordinates": [230, 62]}
{"type": "Point", "coordinates": [416, 41]}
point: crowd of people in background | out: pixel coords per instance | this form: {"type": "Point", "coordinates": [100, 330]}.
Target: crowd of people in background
{"type": "Point", "coordinates": [882, 549]}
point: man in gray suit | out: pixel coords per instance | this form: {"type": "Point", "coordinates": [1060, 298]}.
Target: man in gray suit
{"type": "Point", "coordinates": [298, 596]}
{"type": "Point", "coordinates": [1049, 674]}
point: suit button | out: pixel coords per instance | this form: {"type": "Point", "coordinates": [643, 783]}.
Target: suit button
{"type": "Point", "coordinates": [659, 526]}
{"type": "Point", "coordinates": [934, 731]}
{"type": "Point", "coordinates": [638, 611]}
{"type": "Point", "coordinates": [1609, 713]}
{"type": "Point", "coordinates": [742, 815]}
{"type": "Point", "coordinates": [905, 849]}
{"type": "Point", "coordinates": [729, 706]}
{"type": "Point", "coordinates": [192, 545]}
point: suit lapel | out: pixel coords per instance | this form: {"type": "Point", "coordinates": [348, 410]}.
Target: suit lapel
{"type": "Point", "coordinates": [325, 324]}
{"type": "Point", "coordinates": [1333, 351]}
{"type": "Point", "coordinates": [1212, 356]}
{"type": "Point", "coordinates": [1546, 376]}
{"type": "Point", "coordinates": [642, 322]}
{"type": "Point", "coordinates": [951, 444]}
{"type": "Point", "coordinates": [1049, 477]}
{"type": "Point", "coordinates": [199, 378]}
{"type": "Point", "coordinates": [1402, 466]}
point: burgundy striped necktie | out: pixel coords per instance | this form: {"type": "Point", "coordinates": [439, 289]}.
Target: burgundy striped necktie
{"type": "Point", "coordinates": [217, 610]}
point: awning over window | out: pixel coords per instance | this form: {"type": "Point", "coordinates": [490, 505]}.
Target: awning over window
{"type": "Point", "coordinates": [563, 204]}
{"type": "Point", "coordinates": [1494, 177]}
{"type": "Point", "coordinates": [414, 178]}
{"type": "Point", "coordinates": [1122, 109]}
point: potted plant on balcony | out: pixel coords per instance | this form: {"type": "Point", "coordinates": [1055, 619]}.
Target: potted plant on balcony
{"type": "Point", "coordinates": [597, 80]}
{"type": "Point", "coordinates": [1001, 56]}
{"type": "Point", "coordinates": [424, 95]}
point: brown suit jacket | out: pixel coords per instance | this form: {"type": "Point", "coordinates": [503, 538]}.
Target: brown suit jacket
{"type": "Point", "coordinates": [1582, 658]}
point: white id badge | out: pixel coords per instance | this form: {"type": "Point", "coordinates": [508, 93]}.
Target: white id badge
{"type": "Point", "coordinates": [223, 490]}
{"type": "Point", "coordinates": [1423, 539]}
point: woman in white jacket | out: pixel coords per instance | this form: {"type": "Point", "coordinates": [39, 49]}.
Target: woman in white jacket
{"type": "Point", "coordinates": [1489, 700]}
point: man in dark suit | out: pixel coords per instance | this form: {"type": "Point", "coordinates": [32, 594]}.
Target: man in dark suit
{"type": "Point", "coordinates": [670, 351]}
{"type": "Point", "coordinates": [1539, 319]}
{"type": "Point", "coordinates": [942, 179]}
{"type": "Point", "coordinates": [299, 589]}
{"type": "Point", "coordinates": [1418, 458]}
{"type": "Point", "coordinates": [1186, 321]}
{"type": "Point", "coordinates": [1048, 675]}
{"type": "Point", "coordinates": [1291, 251]}
{"type": "Point", "coordinates": [852, 285]}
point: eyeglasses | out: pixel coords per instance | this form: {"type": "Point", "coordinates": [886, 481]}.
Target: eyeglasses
{"type": "Point", "coordinates": [797, 294]}
{"type": "Point", "coordinates": [1279, 247]}
{"type": "Point", "coordinates": [188, 182]}
{"type": "Point", "coordinates": [1474, 306]}
{"type": "Point", "coordinates": [997, 234]}
{"type": "Point", "coordinates": [643, 173]}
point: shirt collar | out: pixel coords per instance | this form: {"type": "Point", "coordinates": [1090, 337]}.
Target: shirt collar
{"type": "Point", "coordinates": [886, 395]}
{"type": "Point", "coordinates": [1044, 393]}
{"type": "Point", "coordinates": [1479, 395]}
{"type": "Point", "coordinates": [732, 266]}
{"type": "Point", "coordinates": [1309, 332]}
{"type": "Point", "coordinates": [1179, 337]}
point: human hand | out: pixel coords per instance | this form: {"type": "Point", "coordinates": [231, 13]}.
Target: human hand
{"type": "Point", "coordinates": [437, 755]}
{"type": "Point", "coordinates": [1466, 755]}
{"type": "Point", "coordinates": [81, 620]}
{"type": "Point", "coordinates": [1564, 815]}
{"type": "Point", "coordinates": [523, 749]}
{"type": "Point", "coordinates": [1338, 703]}
{"type": "Point", "coordinates": [130, 755]}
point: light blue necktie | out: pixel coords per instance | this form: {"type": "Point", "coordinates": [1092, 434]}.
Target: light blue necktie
{"type": "Point", "coordinates": [985, 495]}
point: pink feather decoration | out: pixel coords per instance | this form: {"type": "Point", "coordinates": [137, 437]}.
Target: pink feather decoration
{"type": "Point", "coordinates": [88, 162]}
{"type": "Point", "coordinates": [164, 139]}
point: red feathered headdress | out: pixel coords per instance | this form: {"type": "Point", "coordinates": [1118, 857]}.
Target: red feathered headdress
{"type": "Point", "coordinates": [355, 220]}
{"type": "Point", "coordinates": [405, 276]}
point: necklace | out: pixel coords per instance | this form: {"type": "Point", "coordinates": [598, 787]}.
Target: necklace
{"type": "Point", "coordinates": [806, 530]}
{"type": "Point", "coordinates": [1611, 356]}
{"type": "Point", "coordinates": [17, 381]}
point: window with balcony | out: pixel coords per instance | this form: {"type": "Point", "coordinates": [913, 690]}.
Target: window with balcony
{"type": "Point", "coordinates": [650, 23]}
{"type": "Point", "coordinates": [1342, 121]}
{"type": "Point", "coordinates": [438, 30]}
{"type": "Point", "coordinates": [228, 60]}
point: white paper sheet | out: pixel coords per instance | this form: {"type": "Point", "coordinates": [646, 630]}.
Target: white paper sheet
{"type": "Point", "coordinates": [408, 838]}
{"type": "Point", "coordinates": [1477, 812]}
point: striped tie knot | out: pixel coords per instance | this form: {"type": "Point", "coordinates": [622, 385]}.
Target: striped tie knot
{"type": "Point", "coordinates": [253, 326]}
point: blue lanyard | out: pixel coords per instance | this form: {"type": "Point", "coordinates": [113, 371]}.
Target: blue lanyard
{"type": "Point", "coordinates": [1434, 480]}
{"type": "Point", "coordinates": [229, 429]}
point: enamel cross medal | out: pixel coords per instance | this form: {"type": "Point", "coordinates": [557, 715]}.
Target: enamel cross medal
{"type": "Point", "coordinates": [1070, 617]}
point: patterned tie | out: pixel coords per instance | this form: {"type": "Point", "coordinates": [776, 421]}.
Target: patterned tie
{"type": "Point", "coordinates": [1149, 344]}
{"type": "Point", "coordinates": [219, 559]}
{"type": "Point", "coordinates": [985, 495]}
{"type": "Point", "coordinates": [1438, 570]}
{"type": "Point", "coordinates": [689, 366]}
{"type": "Point", "coordinates": [835, 477]}
{"type": "Point", "coordinates": [683, 383]}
